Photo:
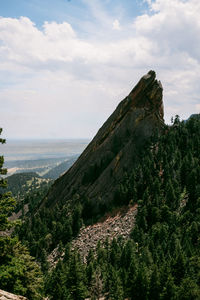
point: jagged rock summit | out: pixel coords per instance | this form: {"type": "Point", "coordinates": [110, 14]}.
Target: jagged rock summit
{"type": "Point", "coordinates": [115, 148]}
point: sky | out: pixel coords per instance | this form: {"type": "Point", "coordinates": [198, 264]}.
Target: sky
{"type": "Point", "coordinates": [66, 64]}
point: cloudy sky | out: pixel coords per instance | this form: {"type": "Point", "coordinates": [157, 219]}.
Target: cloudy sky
{"type": "Point", "coordinates": [66, 64]}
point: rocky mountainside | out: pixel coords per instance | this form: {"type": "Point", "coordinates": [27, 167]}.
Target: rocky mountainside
{"type": "Point", "coordinates": [115, 148]}
{"type": "Point", "coordinates": [118, 224]}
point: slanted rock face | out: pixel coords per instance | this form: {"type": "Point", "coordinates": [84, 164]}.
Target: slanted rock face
{"type": "Point", "coordinates": [115, 147]}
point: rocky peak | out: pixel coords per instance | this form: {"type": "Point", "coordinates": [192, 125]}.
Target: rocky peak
{"type": "Point", "coordinates": [148, 94]}
{"type": "Point", "coordinates": [115, 148]}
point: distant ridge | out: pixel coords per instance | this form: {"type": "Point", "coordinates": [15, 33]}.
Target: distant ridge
{"type": "Point", "coordinates": [57, 171]}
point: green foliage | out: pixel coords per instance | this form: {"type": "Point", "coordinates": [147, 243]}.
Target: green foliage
{"type": "Point", "coordinates": [7, 203]}
{"type": "Point", "coordinates": [43, 231]}
{"type": "Point", "coordinates": [27, 188]}
{"type": "Point", "coordinates": [68, 280]}
{"type": "Point", "coordinates": [19, 272]}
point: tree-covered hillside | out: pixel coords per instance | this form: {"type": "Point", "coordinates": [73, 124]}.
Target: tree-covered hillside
{"type": "Point", "coordinates": [28, 189]}
{"type": "Point", "coordinates": [161, 259]}
{"type": "Point", "coordinates": [19, 273]}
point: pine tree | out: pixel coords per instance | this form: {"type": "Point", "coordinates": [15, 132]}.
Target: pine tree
{"type": "Point", "coordinates": [155, 288]}
{"type": "Point", "coordinates": [169, 290]}
{"type": "Point", "coordinates": [96, 286]}
{"type": "Point", "coordinates": [139, 289]}
{"type": "Point", "coordinates": [7, 203]}
{"type": "Point", "coordinates": [115, 286]}
{"type": "Point", "coordinates": [76, 281]}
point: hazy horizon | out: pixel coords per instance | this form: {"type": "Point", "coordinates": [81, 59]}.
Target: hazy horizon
{"type": "Point", "coordinates": [46, 139]}
{"type": "Point", "coordinates": [42, 149]}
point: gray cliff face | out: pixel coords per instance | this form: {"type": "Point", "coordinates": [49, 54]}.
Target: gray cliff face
{"type": "Point", "coordinates": [115, 147]}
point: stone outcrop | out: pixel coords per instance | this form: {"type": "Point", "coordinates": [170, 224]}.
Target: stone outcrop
{"type": "Point", "coordinates": [115, 148]}
{"type": "Point", "coordinates": [8, 296]}
{"type": "Point", "coordinates": [116, 226]}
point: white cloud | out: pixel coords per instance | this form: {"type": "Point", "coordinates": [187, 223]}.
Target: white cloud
{"type": "Point", "coordinates": [55, 31]}
{"type": "Point", "coordinates": [116, 25]}
{"type": "Point", "coordinates": [56, 82]}
{"type": "Point", "coordinates": [174, 26]}
{"type": "Point", "coordinates": [149, 2]}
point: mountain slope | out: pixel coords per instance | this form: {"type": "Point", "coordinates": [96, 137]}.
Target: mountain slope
{"type": "Point", "coordinates": [115, 148]}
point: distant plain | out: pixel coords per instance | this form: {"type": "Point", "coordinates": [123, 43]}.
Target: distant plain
{"type": "Point", "coordinates": [39, 155]}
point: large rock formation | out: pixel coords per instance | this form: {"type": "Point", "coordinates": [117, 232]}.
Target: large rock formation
{"type": "Point", "coordinates": [115, 148]}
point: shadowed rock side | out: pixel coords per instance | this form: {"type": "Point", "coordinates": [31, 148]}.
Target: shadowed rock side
{"type": "Point", "coordinates": [115, 147]}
